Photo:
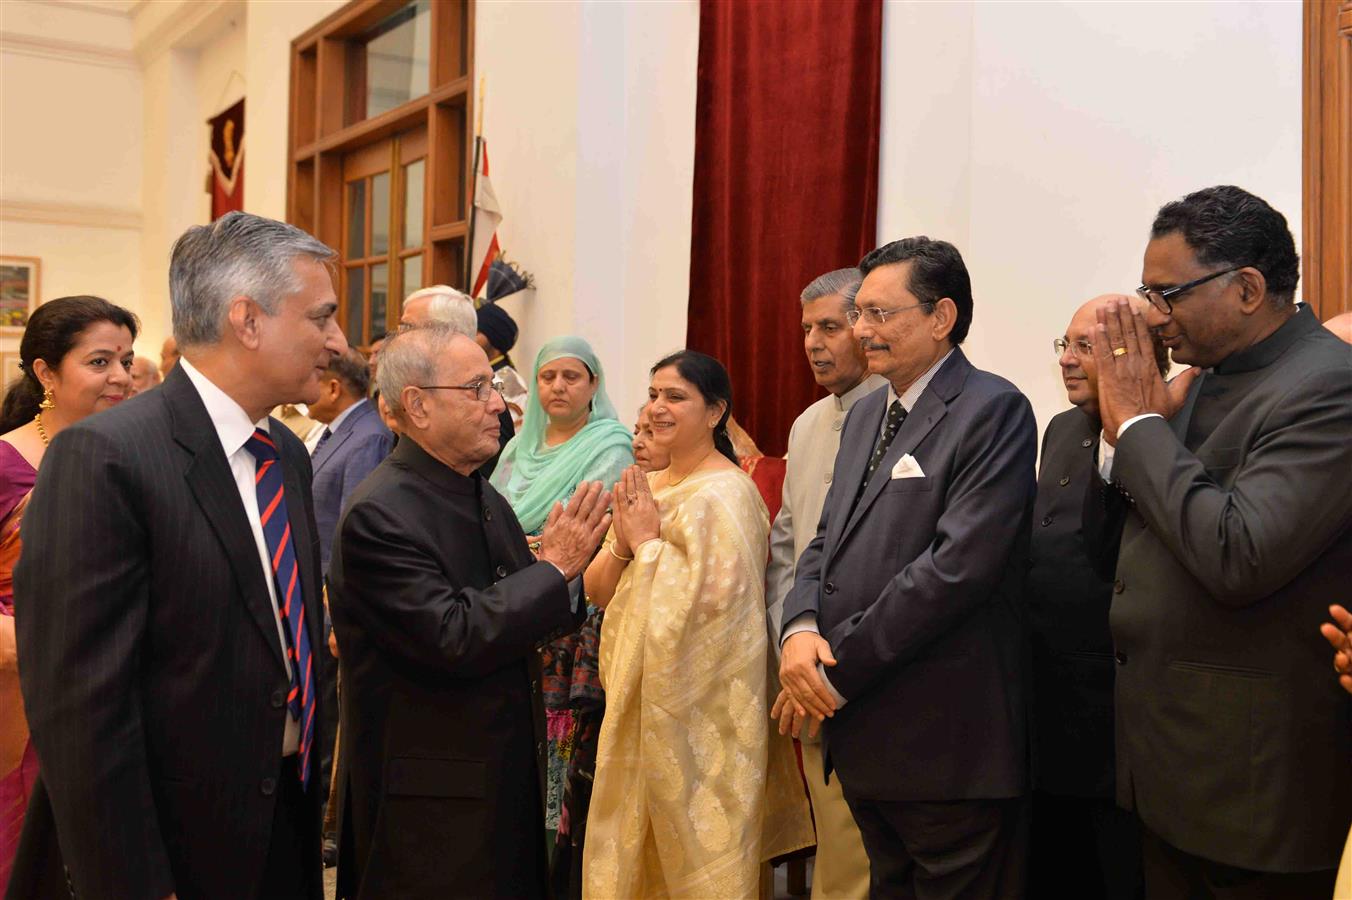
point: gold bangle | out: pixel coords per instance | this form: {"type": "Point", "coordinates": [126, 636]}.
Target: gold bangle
{"type": "Point", "coordinates": [610, 548]}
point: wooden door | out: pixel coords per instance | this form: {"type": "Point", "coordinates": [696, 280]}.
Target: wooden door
{"type": "Point", "coordinates": [1327, 239]}
{"type": "Point", "coordinates": [385, 234]}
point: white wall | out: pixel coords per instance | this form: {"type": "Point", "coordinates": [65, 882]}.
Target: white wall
{"type": "Point", "coordinates": [70, 150]}
{"type": "Point", "coordinates": [1062, 127]}
{"type": "Point", "coordinates": [591, 148]}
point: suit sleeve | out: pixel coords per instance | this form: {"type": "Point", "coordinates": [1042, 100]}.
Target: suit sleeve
{"type": "Point", "coordinates": [1290, 498]}
{"type": "Point", "coordinates": [400, 597]}
{"type": "Point", "coordinates": [81, 603]}
{"type": "Point", "coordinates": [987, 507]}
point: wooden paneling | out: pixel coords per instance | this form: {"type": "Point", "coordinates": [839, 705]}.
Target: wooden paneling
{"type": "Point", "coordinates": [1327, 237]}
{"type": "Point", "coordinates": [332, 142]}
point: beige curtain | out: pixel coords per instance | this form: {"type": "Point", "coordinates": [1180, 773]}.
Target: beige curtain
{"type": "Point", "coordinates": [691, 792]}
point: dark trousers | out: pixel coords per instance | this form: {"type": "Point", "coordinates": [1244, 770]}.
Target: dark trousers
{"type": "Point", "coordinates": [1084, 847]}
{"type": "Point", "coordinates": [973, 849]}
{"type": "Point", "coordinates": [294, 864]}
{"type": "Point", "coordinates": [1172, 874]}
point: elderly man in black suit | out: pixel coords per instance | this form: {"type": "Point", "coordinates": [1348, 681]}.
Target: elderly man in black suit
{"type": "Point", "coordinates": [439, 606]}
{"type": "Point", "coordinates": [909, 595]}
{"type": "Point", "coordinates": [1233, 503]}
{"type": "Point", "coordinates": [1082, 844]}
{"type": "Point", "coordinates": [168, 600]}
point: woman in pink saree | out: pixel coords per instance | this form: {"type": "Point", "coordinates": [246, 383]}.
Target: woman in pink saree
{"type": "Point", "coordinates": [75, 360]}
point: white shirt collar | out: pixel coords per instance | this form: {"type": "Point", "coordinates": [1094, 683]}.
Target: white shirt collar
{"type": "Point", "coordinates": [917, 388]}
{"type": "Point", "coordinates": [232, 422]}
{"type": "Point", "coordinates": [338, 419]}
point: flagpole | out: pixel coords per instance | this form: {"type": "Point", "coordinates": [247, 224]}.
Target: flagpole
{"type": "Point", "coordinates": [474, 187]}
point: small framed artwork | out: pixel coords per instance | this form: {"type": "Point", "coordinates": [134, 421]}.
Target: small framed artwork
{"type": "Point", "coordinates": [9, 368]}
{"type": "Point", "coordinates": [20, 282]}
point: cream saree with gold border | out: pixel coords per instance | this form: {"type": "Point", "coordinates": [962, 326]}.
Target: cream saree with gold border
{"type": "Point", "coordinates": [693, 787]}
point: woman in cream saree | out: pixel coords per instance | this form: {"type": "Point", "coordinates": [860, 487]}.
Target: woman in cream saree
{"type": "Point", "coordinates": [692, 791]}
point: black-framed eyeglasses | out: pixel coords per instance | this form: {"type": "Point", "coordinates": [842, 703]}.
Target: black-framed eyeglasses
{"type": "Point", "coordinates": [875, 315]}
{"type": "Point", "coordinates": [483, 390]}
{"type": "Point", "coordinates": [1081, 348]}
{"type": "Point", "coordinates": [1163, 299]}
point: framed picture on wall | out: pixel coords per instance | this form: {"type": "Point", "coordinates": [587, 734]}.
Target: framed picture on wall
{"type": "Point", "coordinates": [9, 368]}
{"type": "Point", "coordinates": [20, 280]}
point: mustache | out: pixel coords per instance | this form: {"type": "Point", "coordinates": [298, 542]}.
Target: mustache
{"type": "Point", "coordinates": [874, 345]}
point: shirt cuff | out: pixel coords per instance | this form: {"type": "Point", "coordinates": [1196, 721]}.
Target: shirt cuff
{"type": "Point", "coordinates": [1122, 429]}
{"type": "Point", "coordinates": [840, 700]}
{"type": "Point", "coordinates": [803, 622]}
{"type": "Point", "coordinates": [1105, 455]}
{"type": "Point", "coordinates": [575, 592]}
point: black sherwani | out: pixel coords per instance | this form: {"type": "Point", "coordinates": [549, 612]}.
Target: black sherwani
{"type": "Point", "coordinates": [439, 606]}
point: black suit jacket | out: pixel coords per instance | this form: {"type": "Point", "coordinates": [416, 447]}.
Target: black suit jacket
{"type": "Point", "coordinates": [439, 608]}
{"type": "Point", "coordinates": [1067, 606]}
{"type": "Point", "coordinates": [1234, 740]}
{"type": "Point", "coordinates": [917, 589]}
{"type": "Point", "coordinates": [151, 663]}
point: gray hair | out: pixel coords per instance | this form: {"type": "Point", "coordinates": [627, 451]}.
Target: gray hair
{"type": "Point", "coordinates": [410, 358]}
{"type": "Point", "coordinates": [450, 307]}
{"type": "Point", "coordinates": [238, 254]}
{"type": "Point", "coordinates": [840, 281]}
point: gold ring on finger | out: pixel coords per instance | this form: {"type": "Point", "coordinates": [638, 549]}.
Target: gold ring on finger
{"type": "Point", "coordinates": [1119, 351]}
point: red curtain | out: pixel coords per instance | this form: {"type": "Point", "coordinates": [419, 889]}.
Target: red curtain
{"type": "Point", "coordinates": [786, 186]}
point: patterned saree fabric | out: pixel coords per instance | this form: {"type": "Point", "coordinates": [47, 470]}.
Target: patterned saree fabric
{"type": "Point", "coordinates": [691, 792]}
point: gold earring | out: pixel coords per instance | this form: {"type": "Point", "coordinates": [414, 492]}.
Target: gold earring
{"type": "Point", "coordinates": [47, 401]}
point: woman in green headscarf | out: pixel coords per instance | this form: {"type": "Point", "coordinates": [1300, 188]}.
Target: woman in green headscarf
{"type": "Point", "coordinates": [570, 434]}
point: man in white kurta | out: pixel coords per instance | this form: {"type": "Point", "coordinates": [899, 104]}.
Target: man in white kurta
{"type": "Point", "coordinates": [841, 869]}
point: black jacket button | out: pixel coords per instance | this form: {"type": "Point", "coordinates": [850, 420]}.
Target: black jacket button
{"type": "Point", "coordinates": [829, 588]}
{"type": "Point", "coordinates": [1087, 442]}
{"type": "Point", "coordinates": [488, 514]}
{"type": "Point", "coordinates": [502, 571]}
{"type": "Point", "coordinates": [1065, 480]}
{"type": "Point", "coordinates": [1046, 520]}
{"type": "Point", "coordinates": [1120, 657]}
{"type": "Point", "coordinates": [268, 786]}
{"type": "Point", "coordinates": [1119, 586]}
{"type": "Point", "coordinates": [278, 699]}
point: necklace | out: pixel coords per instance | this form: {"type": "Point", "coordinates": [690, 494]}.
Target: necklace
{"type": "Point", "coordinates": [673, 483]}
{"type": "Point", "coordinates": [42, 432]}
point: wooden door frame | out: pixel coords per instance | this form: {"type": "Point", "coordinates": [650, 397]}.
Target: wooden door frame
{"type": "Point", "coordinates": [1327, 157]}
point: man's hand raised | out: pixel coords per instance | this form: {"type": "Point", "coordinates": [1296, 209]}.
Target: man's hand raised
{"type": "Point", "coordinates": [571, 535]}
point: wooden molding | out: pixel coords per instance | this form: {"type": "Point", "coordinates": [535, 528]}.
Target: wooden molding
{"type": "Point", "coordinates": [66, 51]}
{"type": "Point", "coordinates": [70, 214]}
{"type": "Point", "coordinates": [1326, 243]}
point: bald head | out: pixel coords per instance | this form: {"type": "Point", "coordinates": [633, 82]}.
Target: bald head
{"type": "Point", "coordinates": [144, 374]}
{"type": "Point", "coordinates": [1077, 360]}
{"type": "Point", "coordinates": [1341, 325]}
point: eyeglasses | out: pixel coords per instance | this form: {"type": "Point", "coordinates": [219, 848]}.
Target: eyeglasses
{"type": "Point", "coordinates": [1163, 299]}
{"type": "Point", "coordinates": [483, 390]}
{"type": "Point", "coordinates": [1081, 348]}
{"type": "Point", "coordinates": [873, 315]}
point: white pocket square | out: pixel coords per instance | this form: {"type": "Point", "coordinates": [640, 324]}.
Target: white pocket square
{"type": "Point", "coordinates": [907, 467]}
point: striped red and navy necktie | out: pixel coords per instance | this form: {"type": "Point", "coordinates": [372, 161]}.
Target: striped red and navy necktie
{"type": "Point", "coordinates": [290, 602]}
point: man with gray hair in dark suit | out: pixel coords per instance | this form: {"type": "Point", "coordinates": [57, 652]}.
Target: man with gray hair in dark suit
{"type": "Point", "coordinates": [168, 600]}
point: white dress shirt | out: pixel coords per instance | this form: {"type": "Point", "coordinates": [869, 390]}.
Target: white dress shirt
{"type": "Point", "coordinates": [808, 620]}
{"type": "Point", "coordinates": [234, 430]}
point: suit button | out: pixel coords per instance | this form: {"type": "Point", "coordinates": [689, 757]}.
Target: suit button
{"type": "Point", "coordinates": [539, 746]}
{"type": "Point", "coordinates": [1046, 520]}
{"type": "Point", "coordinates": [1087, 442]}
{"type": "Point", "coordinates": [1120, 657]}
{"type": "Point", "coordinates": [1065, 480]}
{"type": "Point", "coordinates": [278, 699]}
{"type": "Point", "coordinates": [829, 588]}
{"type": "Point", "coordinates": [502, 571]}
{"type": "Point", "coordinates": [838, 424]}
{"type": "Point", "coordinates": [534, 686]}
{"type": "Point", "coordinates": [1119, 586]}
{"type": "Point", "coordinates": [488, 514]}
{"type": "Point", "coordinates": [268, 786]}
{"type": "Point", "coordinates": [828, 477]}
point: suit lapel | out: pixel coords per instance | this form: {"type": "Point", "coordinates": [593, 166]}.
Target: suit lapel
{"type": "Point", "coordinates": [339, 437]}
{"type": "Point", "coordinates": [213, 485]}
{"type": "Point", "coordinates": [854, 454]}
{"type": "Point", "coordinates": [928, 411]}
